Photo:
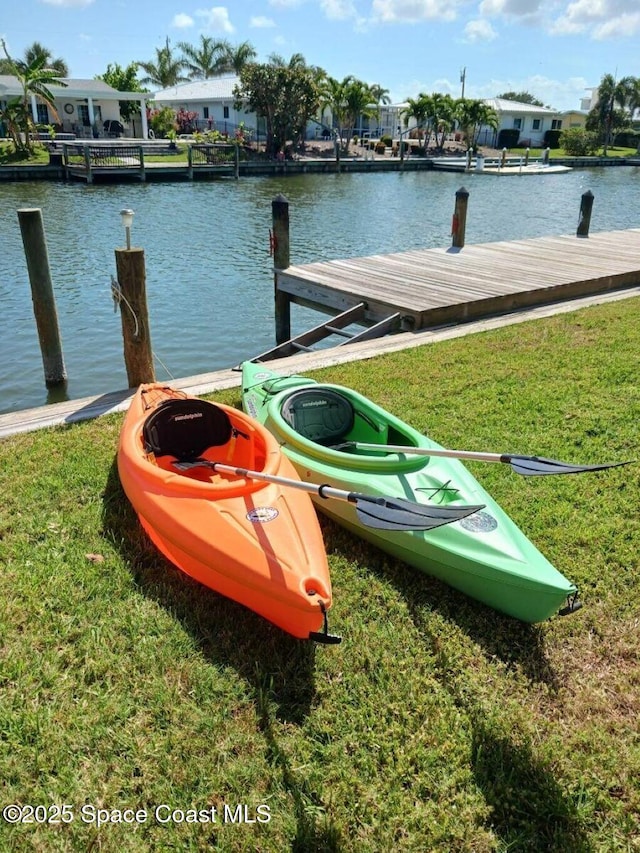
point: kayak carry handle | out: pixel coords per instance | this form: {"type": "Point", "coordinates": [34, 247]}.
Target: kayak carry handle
{"type": "Point", "coordinates": [324, 636]}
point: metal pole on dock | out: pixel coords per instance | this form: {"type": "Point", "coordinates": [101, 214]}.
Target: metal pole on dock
{"type": "Point", "coordinates": [280, 251]}
{"type": "Point", "coordinates": [132, 295]}
{"type": "Point", "coordinates": [586, 206]}
{"type": "Point", "coordinates": [44, 304]}
{"type": "Point", "coordinates": [459, 221]}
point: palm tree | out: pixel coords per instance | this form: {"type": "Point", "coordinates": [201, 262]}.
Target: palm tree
{"type": "Point", "coordinates": [473, 115]}
{"type": "Point", "coordinates": [35, 80]}
{"type": "Point", "coordinates": [380, 96]}
{"type": "Point", "coordinates": [442, 116]}
{"type": "Point", "coordinates": [419, 109]}
{"type": "Point", "coordinates": [235, 58]}
{"type": "Point", "coordinates": [165, 71]}
{"type": "Point", "coordinates": [610, 94]}
{"type": "Point", "coordinates": [37, 51]}
{"type": "Point", "coordinates": [203, 61]}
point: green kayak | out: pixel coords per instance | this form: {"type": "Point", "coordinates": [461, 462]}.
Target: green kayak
{"type": "Point", "coordinates": [484, 555]}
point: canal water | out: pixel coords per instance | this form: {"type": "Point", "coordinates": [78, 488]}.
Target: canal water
{"type": "Point", "coordinates": [209, 274]}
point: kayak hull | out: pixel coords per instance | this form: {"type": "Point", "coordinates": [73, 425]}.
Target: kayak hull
{"type": "Point", "coordinates": [485, 555]}
{"type": "Point", "coordinates": [257, 543]}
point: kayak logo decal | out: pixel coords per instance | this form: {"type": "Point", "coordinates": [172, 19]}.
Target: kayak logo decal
{"type": "Point", "coordinates": [479, 522]}
{"type": "Point", "coordinates": [262, 514]}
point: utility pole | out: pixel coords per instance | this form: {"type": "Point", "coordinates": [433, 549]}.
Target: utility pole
{"type": "Point", "coordinates": [463, 74]}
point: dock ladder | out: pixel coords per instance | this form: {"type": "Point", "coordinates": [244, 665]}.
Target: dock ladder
{"type": "Point", "coordinates": [334, 326]}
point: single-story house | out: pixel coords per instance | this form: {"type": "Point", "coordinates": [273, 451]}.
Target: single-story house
{"type": "Point", "coordinates": [81, 107]}
{"type": "Point", "coordinates": [532, 122]}
{"type": "Point", "coordinates": [213, 102]}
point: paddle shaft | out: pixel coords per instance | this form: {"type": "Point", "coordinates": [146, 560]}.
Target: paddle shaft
{"type": "Point", "coordinates": [312, 488]}
{"type": "Point", "coordinates": [433, 451]}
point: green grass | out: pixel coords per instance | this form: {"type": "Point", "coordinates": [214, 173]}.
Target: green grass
{"type": "Point", "coordinates": [10, 157]}
{"type": "Point", "coordinates": [554, 153]}
{"type": "Point", "coordinates": [437, 725]}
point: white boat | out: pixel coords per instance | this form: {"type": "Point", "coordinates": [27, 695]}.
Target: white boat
{"type": "Point", "coordinates": [495, 166]}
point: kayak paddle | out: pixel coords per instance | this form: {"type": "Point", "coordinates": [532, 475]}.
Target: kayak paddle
{"type": "Point", "coordinates": [382, 513]}
{"type": "Point", "coordinates": [526, 465]}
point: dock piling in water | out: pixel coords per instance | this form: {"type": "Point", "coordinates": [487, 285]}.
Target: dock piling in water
{"type": "Point", "coordinates": [134, 314]}
{"type": "Point", "coordinates": [459, 222]}
{"type": "Point", "coordinates": [44, 303]}
{"type": "Point", "coordinates": [586, 206]}
{"type": "Point", "coordinates": [280, 251]}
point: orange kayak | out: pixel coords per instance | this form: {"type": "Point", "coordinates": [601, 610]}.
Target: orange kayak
{"type": "Point", "coordinates": [256, 542]}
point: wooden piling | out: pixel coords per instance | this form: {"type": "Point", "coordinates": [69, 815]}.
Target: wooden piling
{"type": "Point", "coordinates": [44, 304]}
{"type": "Point", "coordinates": [281, 260]}
{"type": "Point", "coordinates": [584, 221]}
{"type": "Point", "coordinates": [459, 222]}
{"type": "Point", "coordinates": [134, 314]}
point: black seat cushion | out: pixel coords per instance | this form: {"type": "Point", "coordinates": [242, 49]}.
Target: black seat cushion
{"type": "Point", "coordinates": [321, 415]}
{"type": "Point", "coordinates": [185, 428]}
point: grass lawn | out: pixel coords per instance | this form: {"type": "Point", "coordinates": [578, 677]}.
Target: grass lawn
{"type": "Point", "coordinates": [437, 724]}
{"type": "Point", "coordinates": [554, 153]}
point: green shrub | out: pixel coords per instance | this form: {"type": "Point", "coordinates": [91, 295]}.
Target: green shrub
{"type": "Point", "coordinates": [508, 137]}
{"type": "Point", "coordinates": [162, 121]}
{"type": "Point", "coordinates": [552, 138]}
{"type": "Point", "coordinates": [380, 147]}
{"type": "Point", "coordinates": [387, 141]}
{"type": "Point", "coordinates": [627, 139]}
{"type": "Point", "coordinates": [579, 142]}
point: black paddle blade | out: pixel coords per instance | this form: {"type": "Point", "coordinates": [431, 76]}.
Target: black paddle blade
{"type": "Point", "coordinates": [399, 514]}
{"type": "Point", "coordinates": [531, 466]}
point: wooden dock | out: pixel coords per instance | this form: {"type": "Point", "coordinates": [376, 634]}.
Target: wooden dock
{"type": "Point", "coordinates": [436, 287]}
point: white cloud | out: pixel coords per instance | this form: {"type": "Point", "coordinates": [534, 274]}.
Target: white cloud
{"type": "Point", "coordinates": [413, 11]}
{"type": "Point", "coordinates": [338, 10]}
{"type": "Point", "coordinates": [479, 31]}
{"type": "Point", "coordinates": [600, 19]}
{"type": "Point", "coordinates": [182, 21]}
{"type": "Point", "coordinates": [627, 24]}
{"type": "Point", "coordinates": [260, 22]}
{"type": "Point", "coordinates": [216, 19]}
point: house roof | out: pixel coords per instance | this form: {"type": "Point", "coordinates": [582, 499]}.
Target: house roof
{"type": "Point", "coordinates": [211, 89]}
{"type": "Point", "coordinates": [502, 105]}
{"type": "Point", "coordinates": [75, 88]}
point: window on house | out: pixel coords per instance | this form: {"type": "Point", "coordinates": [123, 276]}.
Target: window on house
{"type": "Point", "coordinates": [83, 115]}
{"type": "Point", "coordinates": [42, 113]}
{"type": "Point", "coordinates": [536, 124]}
{"type": "Point", "coordinates": [556, 124]}
{"type": "Point", "coordinates": [517, 123]}
{"type": "Point", "coordinates": [225, 112]}
{"type": "Point", "coordinates": [205, 112]}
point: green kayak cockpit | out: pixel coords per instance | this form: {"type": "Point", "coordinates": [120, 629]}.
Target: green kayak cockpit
{"type": "Point", "coordinates": [322, 420]}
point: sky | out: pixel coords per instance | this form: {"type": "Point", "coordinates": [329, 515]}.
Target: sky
{"type": "Point", "coordinates": [554, 49]}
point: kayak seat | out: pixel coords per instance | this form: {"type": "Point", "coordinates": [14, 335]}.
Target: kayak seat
{"type": "Point", "coordinates": [321, 415]}
{"type": "Point", "coordinates": [185, 429]}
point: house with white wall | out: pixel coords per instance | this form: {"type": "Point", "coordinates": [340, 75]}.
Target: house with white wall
{"type": "Point", "coordinates": [532, 122]}
{"type": "Point", "coordinates": [80, 106]}
{"type": "Point", "coordinates": [213, 102]}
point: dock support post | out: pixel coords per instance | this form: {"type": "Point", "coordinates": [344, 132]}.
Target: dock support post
{"type": "Point", "coordinates": [143, 175]}
{"type": "Point", "coordinates": [526, 157]}
{"type": "Point", "coordinates": [190, 162]}
{"type": "Point", "coordinates": [236, 171]}
{"type": "Point", "coordinates": [503, 159]}
{"type": "Point", "coordinates": [459, 222]}
{"type": "Point", "coordinates": [44, 304]}
{"type": "Point", "coordinates": [136, 334]}
{"type": "Point", "coordinates": [87, 164]}
{"type": "Point", "coordinates": [586, 206]}
{"type": "Point", "coordinates": [280, 248]}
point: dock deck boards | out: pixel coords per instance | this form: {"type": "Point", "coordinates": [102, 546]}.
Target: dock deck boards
{"type": "Point", "coordinates": [435, 286]}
